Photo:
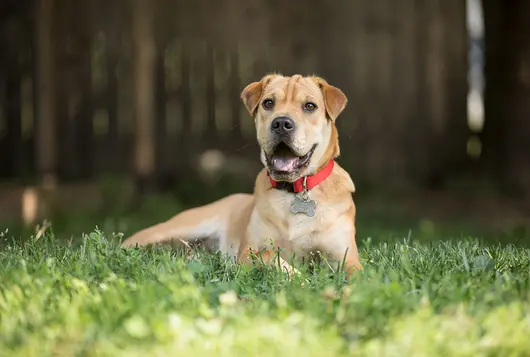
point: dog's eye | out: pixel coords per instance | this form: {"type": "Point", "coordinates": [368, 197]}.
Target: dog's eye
{"type": "Point", "coordinates": [268, 104]}
{"type": "Point", "coordinates": [309, 107]}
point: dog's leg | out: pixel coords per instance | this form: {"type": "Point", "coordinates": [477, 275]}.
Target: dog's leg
{"type": "Point", "coordinates": [349, 256]}
{"type": "Point", "coordinates": [188, 225]}
{"type": "Point", "coordinates": [212, 220]}
{"type": "Point", "coordinates": [248, 256]}
{"type": "Point", "coordinates": [351, 262]}
{"type": "Point", "coordinates": [341, 246]}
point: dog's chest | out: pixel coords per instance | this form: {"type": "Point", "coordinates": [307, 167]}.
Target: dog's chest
{"type": "Point", "coordinates": [298, 229]}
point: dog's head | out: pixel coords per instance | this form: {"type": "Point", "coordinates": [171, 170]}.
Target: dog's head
{"type": "Point", "coordinates": [295, 123]}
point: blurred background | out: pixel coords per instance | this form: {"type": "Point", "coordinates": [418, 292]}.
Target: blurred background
{"type": "Point", "coordinates": [120, 113]}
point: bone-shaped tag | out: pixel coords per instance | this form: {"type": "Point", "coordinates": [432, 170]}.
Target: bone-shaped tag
{"type": "Point", "coordinates": [305, 206]}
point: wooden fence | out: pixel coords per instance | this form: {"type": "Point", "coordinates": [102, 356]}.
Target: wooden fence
{"type": "Point", "coordinates": [140, 86]}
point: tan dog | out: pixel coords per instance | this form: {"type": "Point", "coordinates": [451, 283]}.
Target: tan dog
{"type": "Point", "coordinates": [302, 201]}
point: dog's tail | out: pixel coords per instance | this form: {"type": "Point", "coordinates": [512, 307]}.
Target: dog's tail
{"type": "Point", "coordinates": [211, 221]}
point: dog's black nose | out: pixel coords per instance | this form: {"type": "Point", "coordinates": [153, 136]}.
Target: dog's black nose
{"type": "Point", "coordinates": [282, 125]}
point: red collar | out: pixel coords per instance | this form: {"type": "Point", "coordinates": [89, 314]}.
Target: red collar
{"type": "Point", "coordinates": [312, 181]}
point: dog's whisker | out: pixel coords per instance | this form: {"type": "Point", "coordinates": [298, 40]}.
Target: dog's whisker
{"type": "Point", "coordinates": [243, 147]}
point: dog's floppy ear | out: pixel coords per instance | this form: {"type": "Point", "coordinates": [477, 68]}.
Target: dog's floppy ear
{"type": "Point", "coordinates": [334, 99]}
{"type": "Point", "coordinates": [253, 92]}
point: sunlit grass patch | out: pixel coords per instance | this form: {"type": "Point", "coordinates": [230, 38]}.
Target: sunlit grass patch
{"type": "Point", "coordinates": [94, 298]}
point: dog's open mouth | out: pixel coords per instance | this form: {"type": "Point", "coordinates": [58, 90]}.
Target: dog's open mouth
{"type": "Point", "coordinates": [284, 160]}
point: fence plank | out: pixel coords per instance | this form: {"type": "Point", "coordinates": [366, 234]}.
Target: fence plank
{"type": "Point", "coordinates": [46, 140]}
{"type": "Point", "coordinates": [144, 74]}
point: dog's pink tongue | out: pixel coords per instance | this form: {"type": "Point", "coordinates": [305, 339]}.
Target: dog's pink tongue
{"type": "Point", "coordinates": [284, 164]}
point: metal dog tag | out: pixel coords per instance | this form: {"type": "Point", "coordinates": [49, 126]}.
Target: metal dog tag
{"type": "Point", "coordinates": [305, 206]}
{"type": "Point", "coordinates": [302, 203]}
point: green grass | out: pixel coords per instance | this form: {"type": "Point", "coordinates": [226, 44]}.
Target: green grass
{"type": "Point", "coordinates": [91, 298]}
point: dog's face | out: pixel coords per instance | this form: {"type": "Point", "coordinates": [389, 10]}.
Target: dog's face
{"type": "Point", "coordinates": [295, 123]}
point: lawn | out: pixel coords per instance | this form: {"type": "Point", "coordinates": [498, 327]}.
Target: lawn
{"type": "Point", "coordinates": [428, 289]}
{"type": "Point", "coordinates": [88, 297]}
